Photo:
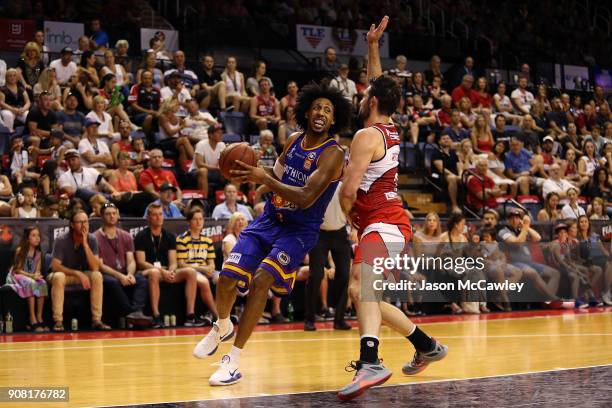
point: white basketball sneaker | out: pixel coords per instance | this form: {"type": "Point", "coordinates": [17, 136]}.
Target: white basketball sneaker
{"type": "Point", "coordinates": [210, 343]}
{"type": "Point", "coordinates": [227, 373]}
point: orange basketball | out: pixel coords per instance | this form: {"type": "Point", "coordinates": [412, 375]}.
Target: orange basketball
{"type": "Point", "coordinates": [236, 151]}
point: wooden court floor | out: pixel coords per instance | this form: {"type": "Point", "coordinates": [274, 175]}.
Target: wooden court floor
{"type": "Point", "coordinates": [125, 368]}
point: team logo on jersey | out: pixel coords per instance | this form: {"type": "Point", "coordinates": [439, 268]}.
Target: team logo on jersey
{"type": "Point", "coordinates": [280, 202]}
{"type": "Point", "coordinates": [283, 258]}
{"type": "Point", "coordinates": [234, 257]}
{"type": "Point", "coordinates": [309, 160]}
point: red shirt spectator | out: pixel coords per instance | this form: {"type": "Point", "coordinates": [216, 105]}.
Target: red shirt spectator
{"type": "Point", "coordinates": [465, 89]}
{"type": "Point", "coordinates": [444, 117]}
{"type": "Point", "coordinates": [586, 120]}
{"type": "Point", "coordinates": [157, 177]}
{"type": "Point", "coordinates": [474, 197]}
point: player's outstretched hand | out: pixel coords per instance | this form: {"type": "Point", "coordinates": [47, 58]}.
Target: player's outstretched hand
{"type": "Point", "coordinates": [376, 32]}
{"type": "Point", "coordinates": [250, 173]}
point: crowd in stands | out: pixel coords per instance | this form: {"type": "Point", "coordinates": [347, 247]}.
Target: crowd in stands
{"type": "Point", "coordinates": [90, 135]}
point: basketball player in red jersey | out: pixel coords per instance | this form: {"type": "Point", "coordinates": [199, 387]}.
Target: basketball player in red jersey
{"type": "Point", "coordinates": [369, 197]}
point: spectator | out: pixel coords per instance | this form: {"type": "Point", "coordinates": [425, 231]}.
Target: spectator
{"type": "Point", "coordinates": [465, 151]}
{"type": "Point", "coordinates": [2, 72]}
{"type": "Point", "coordinates": [344, 83]}
{"type": "Point", "coordinates": [124, 144]}
{"type": "Point", "coordinates": [542, 98]}
{"type": "Point", "coordinates": [187, 76]}
{"type": "Point", "coordinates": [572, 140]}
{"type": "Point", "coordinates": [497, 170]}
{"type": "Point", "coordinates": [447, 168]}
{"type": "Point", "coordinates": [99, 39]}
{"type": "Point", "coordinates": [30, 66]}
{"type": "Point", "coordinates": [516, 235]}
{"type": "Point", "coordinates": [64, 67]}
{"type": "Point", "coordinates": [550, 212]}
{"type": "Point", "coordinates": [88, 68]}
{"type": "Point", "coordinates": [39, 39]}
{"type": "Point", "coordinates": [118, 267]}
{"type": "Point", "coordinates": [175, 90]}
{"type": "Point", "coordinates": [468, 117]}
{"type": "Point", "coordinates": [75, 261]}
{"type": "Point", "coordinates": [265, 109]}
{"type": "Point", "coordinates": [122, 178]}
{"type": "Point", "coordinates": [156, 261]}
{"type": "Point", "coordinates": [80, 89]}
{"type": "Point", "coordinates": [195, 251]}
{"type": "Point", "coordinates": [291, 126]}
{"type": "Point", "coordinates": [145, 101]}
{"type": "Point", "coordinates": [291, 98]}
{"type": "Point", "coordinates": [170, 127]}
{"type": "Point", "coordinates": [212, 83]}
{"type": "Point", "coordinates": [485, 101]}
{"type": "Point", "coordinates": [418, 87]}
{"type": "Point", "coordinates": [40, 120]}
{"type": "Point", "coordinates": [14, 101]}
{"type": "Point", "coordinates": [499, 132]}
{"type": "Point", "coordinates": [113, 94]}
{"type": "Point", "coordinates": [26, 279]}
{"type": "Point", "coordinates": [71, 121]}
{"type": "Point", "coordinates": [236, 223]}
{"type": "Point", "coordinates": [599, 185]}
{"type": "Point", "coordinates": [464, 90]}
{"type": "Point", "coordinates": [47, 83]}
{"type": "Point", "coordinates": [205, 166]}
{"type": "Point", "coordinates": [434, 70]}
{"type": "Point", "coordinates": [83, 43]}
{"type": "Point", "coordinates": [595, 253]}
{"type": "Point", "coordinates": [400, 67]}
{"type": "Point", "coordinates": [452, 244]}
{"type": "Point", "coordinates": [423, 119]}
{"type": "Point", "coordinates": [437, 92]}
{"type": "Point", "coordinates": [158, 45]}
{"type": "Point", "coordinates": [482, 190]}
{"type": "Point", "coordinates": [197, 122]}
{"type": "Point", "coordinates": [21, 165]}
{"type": "Point", "coordinates": [529, 134]}
{"type": "Point", "coordinates": [111, 67]}
{"type": "Point", "coordinates": [122, 57]}
{"type": "Point", "coordinates": [522, 98]}
{"type": "Point", "coordinates": [570, 169]}
{"type": "Point", "coordinates": [597, 210]}
{"type": "Point", "coordinates": [586, 120]}
{"type": "Point", "coordinates": [148, 64]}
{"type": "Point", "coordinates": [588, 163]}
{"type": "Point", "coordinates": [445, 112]}
{"type": "Point", "coordinates": [93, 153]}
{"type": "Point", "coordinates": [604, 115]}
{"type": "Point", "coordinates": [265, 149]}
{"type": "Point", "coordinates": [155, 176]}
{"type": "Point", "coordinates": [596, 138]}
{"type": "Point", "coordinates": [166, 196]}
{"type": "Point", "coordinates": [48, 181]}
{"type": "Point", "coordinates": [230, 205]}
{"type": "Point", "coordinates": [556, 184]}
{"type": "Point", "coordinates": [259, 73]}
{"type": "Point", "coordinates": [235, 88]}
{"type": "Point", "coordinates": [557, 118]}
{"type": "Point", "coordinates": [540, 121]}
{"type": "Point", "coordinates": [330, 63]}
{"type": "Point", "coordinates": [481, 136]}
{"type": "Point", "coordinates": [572, 209]}
{"type": "Point", "coordinates": [26, 204]}
{"type": "Point", "coordinates": [523, 167]}
{"type": "Point", "coordinates": [503, 105]}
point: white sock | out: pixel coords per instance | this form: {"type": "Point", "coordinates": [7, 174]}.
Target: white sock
{"type": "Point", "coordinates": [223, 324]}
{"type": "Point", "coordinates": [235, 354]}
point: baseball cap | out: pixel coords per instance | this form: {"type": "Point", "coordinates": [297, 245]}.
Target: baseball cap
{"type": "Point", "coordinates": [546, 138]}
{"type": "Point", "coordinates": [167, 186]}
{"type": "Point", "coordinates": [90, 122]}
{"type": "Point", "coordinates": [66, 50]}
{"type": "Point", "coordinates": [513, 211]}
{"type": "Point", "coordinates": [71, 153]}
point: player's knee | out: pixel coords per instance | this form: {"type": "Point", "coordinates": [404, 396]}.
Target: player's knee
{"type": "Point", "coordinates": [261, 282]}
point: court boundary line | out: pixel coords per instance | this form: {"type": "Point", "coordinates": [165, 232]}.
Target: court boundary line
{"type": "Point", "coordinates": [324, 329]}
{"type": "Point", "coordinates": [381, 386]}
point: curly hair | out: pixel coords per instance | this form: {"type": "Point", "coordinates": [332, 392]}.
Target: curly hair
{"type": "Point", "coordinates": [312, 92]}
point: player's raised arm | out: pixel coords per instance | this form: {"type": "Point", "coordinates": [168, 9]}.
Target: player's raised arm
{"type": "Point", "coordinates": [363, 148]}
{"type": "Point", "coordinates": [374, 35]}
{"type": "Point", "coordinates": [330, 165]}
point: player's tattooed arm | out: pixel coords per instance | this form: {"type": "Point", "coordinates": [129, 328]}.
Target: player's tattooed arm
{"type": "Point", "coordinates": [374, 35]}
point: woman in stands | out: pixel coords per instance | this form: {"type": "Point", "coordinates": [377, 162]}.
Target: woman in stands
{"type": "Point", "coordinates": [596, 210]}
{"type": "Point", "coordinates": [468, 117]}
{"type": "Point", "coordinates": [550, 212]}
{"type": "Point", "coordinates": [426, 241]}
{"type": "Point", "coordinates": [82, 91]}
{"type": "Point", "coordinates": [481, 136]}
{"type": "Point", "coordinates": [170, 127]}
{"type": "Point", "coordinates": [599, 186]}
{"type": "Point", "coordinates": [259, 72]}
{"type": "Point", "coordinates": [30, 66]}
{"type": "Point", "coordinates": [572, 209]}
{"type": "Point", "coordinates": [572, 141]}
{"type": "Point", "coordinates": [452, 245]}
{"type": "Point", "coordinates": [237, 222]}
{"type": "Point", "coordinates": [47, 81]}
{"type": "Point", "coordinates": [47, 183]}
{"type": "Point", "coordinates": [100, 115]}
{"type": "Point", "coordinates": [542, 98]}
{"type": "Point", "coordinates": [588, 162]}
{"type": "Point", "coordinates": [234, 84]}
{"type": "Point", "coordinates": [485, 101]}
{"type": "Point", "coordinates": [503, 105]}
{"type": "Point", "coordinates": [110, 67]}
{"type": "Point", "coordinates": [148, 64]}
{"type": "Point", "coordinates": [466, 154]}
{"type": "Point", "coordinates": [595, 253]}
{"type": "Point", "coordinates": [14, 101]}
{"type": "Point", "coordinates": [26, 279]}
{"type": "Point", "coordinates": [418, 88]}
{"type": "Point", "coordinates": [497, 170]}
{"type": "Point", "coordinates": [570, 169]}
{"type": "Point", "coordinates": [88, 61]}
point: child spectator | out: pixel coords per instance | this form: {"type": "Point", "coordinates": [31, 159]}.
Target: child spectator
{"type": "Point", "coordinates": [26, 279]}
{"type": "Point", "coordinates": [26, 204]}
{"type": "Point", "coordinates": [20, 163]}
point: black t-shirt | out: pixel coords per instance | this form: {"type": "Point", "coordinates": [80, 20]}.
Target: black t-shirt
{"type": "Point", "coordinates": [155, 248]}
{"type": "Point", "coordinates": [449, 161]}
{"type": "Point", "coordinates": [209, 80]}
{"type": "Point", "coordinates": [44, 121]}
{"type": "Point", "coordinates": [559, 117]}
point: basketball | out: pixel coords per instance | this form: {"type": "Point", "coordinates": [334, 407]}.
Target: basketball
{"type": "Point", "coordinates": [236, 151]}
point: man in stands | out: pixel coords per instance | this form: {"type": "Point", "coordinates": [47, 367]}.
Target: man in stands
{"type": "Point", "coordinates": [482, 191]}
{"type": "Point", "coordinates": [344, 83]}
{"type": "Point", "coordinates": [330, 63]}
{"type": "Point", "coordinates": [445, 112]}
{"type": "Point", "coordinates": [75, 261]}
{"type": "Point", "coordinates": [205, 164]}
{"type": "Point", "coordinates": [211, 82]}
{"type": "Point", "coordinates": [558, 118]}
{"type": "Point", "coordinates": [177, 90]}
{"type": "Point", "coordinates": [523, 167]}
{"type": "Point", "coordinates": [587, 120]}
{"type": "Point", "coordinates": [189, 78]}
{"type": "Point", "coordinates": [455, 130]}
{"type": "Point", "coordinates": [291, 98]}
{"type": "Point", "coordinates": [64, 67]}
{"type": "Point", "coordinates": [156, 260]}
{"type": "Point", "coordinates": [94, 152]}
{"type": "Point", "coordinates": [145, 100]}
{"type": "Point", "coordinates": [265, 149]}
{"type": "Point", "coordinates": [230, 205]}
{"type": "Point", "coordinates": [166, 195]}
{"type": "Point", "coordinates": [521, 97]}
{"type": "Point", "coordinates": [265, 109]}
{"type": "Point", "coordinates": [465, 90]}
{"type": "Point", "coordinates": [155, 176]}
{"type": "Point", "coordinates": [556, 184]}
{"type": "Point", "coordinates": [72, 121]}
{"type": "Point", "coordinates": [99, 39]}
{"type": "Point", "coordinates": [447, 168]}
{"type": "Point", "coordinates": [118, 266]}
{"type": "Point", "coordinates": [499, 131]}
{"type": "Point", "coordinates": [124, 144]}
{"type": "Point", "coordinates": [40, 120]}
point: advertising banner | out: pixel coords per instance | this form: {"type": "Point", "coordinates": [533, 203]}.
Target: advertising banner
{"type": "Point", "coordinates": [311, 38]}
{"type": "Point", "coordinates": [59, 34]}
{"type": "Point", "coordinates": [14, 34]}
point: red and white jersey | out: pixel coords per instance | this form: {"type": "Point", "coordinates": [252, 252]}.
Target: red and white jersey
{"type": "Point", "coordinates": [377, 198]}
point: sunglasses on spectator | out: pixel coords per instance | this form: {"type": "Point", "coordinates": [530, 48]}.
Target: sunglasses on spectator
{"type": "Point", "coordinates": [108, 205]}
